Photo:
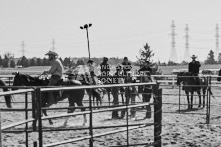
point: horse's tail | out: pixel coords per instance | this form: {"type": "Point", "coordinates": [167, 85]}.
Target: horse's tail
{"type": "Point", "coordinates": [210, 92]}
{"type": "Point", "coordinates": [8, 98]}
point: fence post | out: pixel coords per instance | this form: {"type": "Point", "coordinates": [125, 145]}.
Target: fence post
{"type": "Point", "coordinates": [179, 97]}
{"type": "Point", "coordinates": [39, 117]}
{"type": "Point", "coordinates": [91, 117]}
{"type": "Point", "coordinates": [34, 98]}
{"type": "Point", "coordinates": [157, 116]}
{"type": "Point", "coordinates": [26, 117]}
{"type": "Point", "coordinates": [0, 129]}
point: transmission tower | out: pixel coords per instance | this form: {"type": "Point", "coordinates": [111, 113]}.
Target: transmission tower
{"type": "Point", "coordinates": [23, 48]}
{"type": "Point", "coordinates": [173, 55]}
{"type": "Point", "coordinates": [53, 45]}
{"type": "Point", "coordinates": [217, 42]}
{"type": "Point", "coordinates": [187, 52]}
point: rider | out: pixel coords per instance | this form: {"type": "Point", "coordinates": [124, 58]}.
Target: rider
{"type": "Point", "coordinates": [194, 67]}
{"type": "Point", "coordinates": [56, 71]}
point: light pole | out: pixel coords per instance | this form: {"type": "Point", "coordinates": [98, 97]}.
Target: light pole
{"type": "Point", "coordinates": [86, 26]}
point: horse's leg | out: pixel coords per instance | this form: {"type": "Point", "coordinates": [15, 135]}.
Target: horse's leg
{"type": "Point", "coordinates": [199, 94]}
{"type": "Point", "coordinates": [204, 96]}
{"type": "Point", "coordinates": [49, 120]}
{"type": "Point", "coordinates": [79, 99]}
{"type": "Point", "coordinates": [108, 94]}
{"type": "Point", "coordinates": [133, 110]}
{"type": "Point", "coordinates": [191, 103]}
{"type": "Point", "coordinates": [146, 98]}
{"type": "Point", "coordinates": [188, 100]}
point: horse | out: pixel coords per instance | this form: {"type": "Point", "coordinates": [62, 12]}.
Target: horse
{"type": "Point", "coordinates": [219, 76]}
{"type": "Point", "coordinates": [190, 85]}
{"type": "Point", "coordinates": [74, 96]}
{"type": "Point", "coordinates": [8, 98]}
{"type": "Point", "coordinates": [86, 79]}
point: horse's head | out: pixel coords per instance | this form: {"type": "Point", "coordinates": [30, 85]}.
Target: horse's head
{"type": "Point", "coordinates": [21, 80]}
{"type": "Point", "coordinates": [182, 76]}
{"type": "Point", "coordinates": [27, 80]}
{"type": "Point", "coordinates": [219, 78]}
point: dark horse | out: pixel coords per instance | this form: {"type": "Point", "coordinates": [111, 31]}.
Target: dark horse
{"type": "Point", "coordinates": [74, 96]}
{"type": "Point", "coordinates": [190, 85]}
{"type": "Point", "coordinates": [219, 78]}
{"type": "Point", "coordinates": [8, 98]}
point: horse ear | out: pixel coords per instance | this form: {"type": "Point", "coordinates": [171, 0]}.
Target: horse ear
{"type": "Point", "coordinates": [15, 73]}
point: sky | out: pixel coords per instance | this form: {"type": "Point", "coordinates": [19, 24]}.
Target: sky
{"type": "Point", "coordinates": [119, 27]}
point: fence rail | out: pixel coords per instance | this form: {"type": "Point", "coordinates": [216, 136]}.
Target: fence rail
{"type": "Point", "coordinates": [36, 101]}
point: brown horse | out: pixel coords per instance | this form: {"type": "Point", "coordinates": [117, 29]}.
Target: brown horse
{"type": "Point", "coordinates": [190, 85]}
{"type": "Point", "coordinates": [74, 96]}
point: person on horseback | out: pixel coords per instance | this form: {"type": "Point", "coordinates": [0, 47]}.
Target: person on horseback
{"type": "Point", "coordinates": [193, 68]}
{"type": "Point", "coordinates": [56, 71]}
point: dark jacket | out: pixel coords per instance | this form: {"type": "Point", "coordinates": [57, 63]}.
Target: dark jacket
{"type": "Point", "coordinates": [126, 68]}
{"type": "Point", "coordinates": [105, 69]}
{"type": "Point", "coordinates": [194, 67]}
{"type": "Point", "coordinates": [145, 71]}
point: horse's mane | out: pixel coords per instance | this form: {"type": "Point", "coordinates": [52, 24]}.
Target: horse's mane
{"type": "Point", "coordinates": [33, 81]}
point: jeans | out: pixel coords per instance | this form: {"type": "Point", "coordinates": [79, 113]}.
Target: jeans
{"type": "Point", "coordinates": [52, 82]}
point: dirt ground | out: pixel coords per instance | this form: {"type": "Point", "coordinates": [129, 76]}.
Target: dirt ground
{"type": "Point", "coordinates": [187, 128]}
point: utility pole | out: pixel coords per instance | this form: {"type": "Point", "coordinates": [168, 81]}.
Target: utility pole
{"type": "Point", "coordinates": [53, 45]}
{"type": "Point", "coordinates": [187, 52]}
{"type": "Point", "coordinates": [217, 43]}
{"type": "Point", "coordinates": [173, 54]}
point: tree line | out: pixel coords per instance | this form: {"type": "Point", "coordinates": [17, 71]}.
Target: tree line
{"type": "Point", "coordinates": [11, 62]}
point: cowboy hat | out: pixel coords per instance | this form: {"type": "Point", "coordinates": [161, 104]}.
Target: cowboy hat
{"type": "Point", "coordinates": [90, 61]}
{"type": "Point", "coordinates": [52, 53]}
{"type": "Point", "coordinates": [105, 59]}
{"type": "Point", "coordinates": [119, 66]}
{"type": "Point", "coordinates": [148, 62]}
{"type": "Point", "coordinates": [193, 56]}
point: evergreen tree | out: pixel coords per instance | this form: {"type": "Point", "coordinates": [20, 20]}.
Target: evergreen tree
{"type": "Point", "coordinates": [219, 58]}
{"type": "Point", "coordinates": [39, 62]}
{"type": "Point", "coordinates": [12, 64]}
{"type": "Point", "coordinates": [145, 54]}
{"type": "Point", "coordinates": [67, 61]}
{"type": "Point", "coordinates": [24, 62]}
{"type": "Point", "coordinates": [1, 61]}
{"type": "Point", "coordinates": [32, 62]}
{"type": "Point", "coordinates": [80, 62]}
{"type": "Point", "coordinates": [45, 62]}
{"type": "Point", "coordinates": [210, 58]}
{"type": "Point", "coordinates": [5, 61]}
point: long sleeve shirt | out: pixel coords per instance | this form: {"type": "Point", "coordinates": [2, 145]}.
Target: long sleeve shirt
{"type": "Point", "coordinates": [56, 68]}
{"type": "Point", "coordinates": [194, 67]}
